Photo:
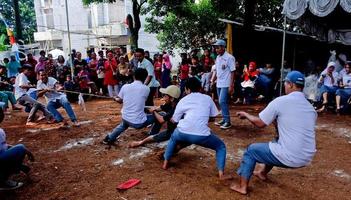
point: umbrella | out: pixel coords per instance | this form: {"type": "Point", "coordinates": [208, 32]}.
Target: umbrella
{"type": "Point", "coordinates": [56, 53]}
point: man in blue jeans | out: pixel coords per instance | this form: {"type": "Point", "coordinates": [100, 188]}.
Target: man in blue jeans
{"type": "Point", "coordinates": [225, 67]}
{"type": "Point", "coordinates": [133, 96]}
{"type": "Point", "coordinates": [296, 145]}
{"type": "Point", "coordinates": [48, 87]}
{"type": "Point", "coordinates": [11, 161]}
{"type": "Point", "coordinates": [192, 114]}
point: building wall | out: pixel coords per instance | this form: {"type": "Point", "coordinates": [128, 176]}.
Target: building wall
{"type": "Point", "coordinates": [82, 19]}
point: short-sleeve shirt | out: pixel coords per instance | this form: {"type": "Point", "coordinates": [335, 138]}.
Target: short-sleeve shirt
{"type": "Point", "coordinates": [3, 144]}
{"type": "Point", "coordinates": [145, 64]}
{"type": "Point", "coordinates": [21, 80]}
{"type": "Point", "coordinates": [225, 64]}
{"type": "Point", "coordinates": [193, 112]}
{"type": "Point", "coordinates": [327, 81]}
{"type": "Point", "coordinates": [296, 120]}
{"type": "Point", "coordinates": [346, 80]}
{"type": "Point", "coordinates": [169, 111]}
{"type": "Point", "coordinates": [134, 96]}
{"type": "Point", "coordinates": [51, 95]}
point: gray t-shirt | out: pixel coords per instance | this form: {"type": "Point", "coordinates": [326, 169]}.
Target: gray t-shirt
{"type": "Point", "coordinates": [296, 120]}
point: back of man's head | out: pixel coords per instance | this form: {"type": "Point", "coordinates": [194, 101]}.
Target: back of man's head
{"type": "Point", "coordinates": [139, 50]}
{"type": "Point", "coordinates": [140, 74]}
{"type": "Point", "coordinates": [193, 84]}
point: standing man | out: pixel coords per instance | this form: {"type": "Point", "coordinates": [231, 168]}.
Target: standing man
{"type": "Point", "coordinates": [47, 86]}
{"type": "Point", "coordinates": [225, 67]}
{"type": "Point", "coordinates": [150, 81]}
{"type": "Point", "coordinates": [295, 147]}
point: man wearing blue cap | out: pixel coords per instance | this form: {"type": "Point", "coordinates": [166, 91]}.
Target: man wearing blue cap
{"type": "Point", "coordinates": [225, 66]}
{"type": "Point", "coordinates": [295, 146]}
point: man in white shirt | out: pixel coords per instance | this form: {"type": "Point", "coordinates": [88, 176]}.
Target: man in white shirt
{"type": "Point", "coordinates": [296, 145]}
{"type": "Point", "coordinates": [48, 87]}
{"type": "Point", "coordinates": [22, 85]}
{"type": "Point", "coordinates": [192, 115]}
{"type": "Point", "coordinates": [150, 80]}
{"type": "Point", "coordinates": [225, 67]}
{"type": "Point", "coordinates": [133, 97]}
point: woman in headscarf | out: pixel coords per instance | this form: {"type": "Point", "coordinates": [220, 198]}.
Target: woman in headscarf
{"type": "Point", "coordinates": [166, 71]}
{"type": "Point", "coordinates": [250, 75]}
{"type": "Point", "coordinates": [329, 81]}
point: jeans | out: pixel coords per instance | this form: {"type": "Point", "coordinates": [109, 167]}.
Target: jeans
{"type": "Point", "coordinates": [150, 119]}
{"type": "Point", "coordinates": [257, 152]}
{"type": "Point", "coordinates": [6, 96]}
{"type": "Point", "coordinates": [223, 96]}
{"type": "Point", "coordinates": [36, 105]}
{"type": "Point", "coordinates": [35, 97]}
{"type": "Point", "coordinates": [329, 90]}
{"type": "Point", "coordinates": [62, 102]}
{"type": "Point", "coordinates": [211, 142]}
{"type": "Point", "coordinates": [11, 161]}
{"type": "Point", "coordinates": [344, 94]}
{"type": "Point", "coordinates": [112, 90]}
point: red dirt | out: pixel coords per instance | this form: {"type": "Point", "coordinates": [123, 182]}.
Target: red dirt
{"type": "Point", "coordinates": [87, 172]}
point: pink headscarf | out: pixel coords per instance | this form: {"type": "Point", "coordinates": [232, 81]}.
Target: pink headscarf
{"type": "Point", "coordinates": [167, 61]}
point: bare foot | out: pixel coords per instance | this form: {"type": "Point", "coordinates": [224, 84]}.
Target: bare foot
{"type": "Point", "coordinates": [31, 124]}
{"type": "Point", "coordinates": [237, 188]}
{"type": "Point", "coordinates": [135, 144]}
{"type": "Point", "coordinates": [40, 118]}
{"type": "Point", "coordinates": [260, 175]}
{"type": "Point", "coordinates": [165, 165]}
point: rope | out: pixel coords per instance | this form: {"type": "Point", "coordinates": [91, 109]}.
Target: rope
{"type": "Point", "coordinates": [86, 94]}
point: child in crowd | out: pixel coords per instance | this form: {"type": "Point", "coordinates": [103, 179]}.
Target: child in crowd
{"type": "Point", "coordinates": [11, 160]}
{"type": "Point", "coordinates": [133, 97]}
{"type": "Point", "coordinates": [162, 114]}
{"type": "Point", "coordinates": [70, 85]}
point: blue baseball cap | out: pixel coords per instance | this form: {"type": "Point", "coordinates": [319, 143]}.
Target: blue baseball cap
{"type": "Point", "coordinates": [219, 42]}
{"type": "Point", "coordinates": [295, 77]}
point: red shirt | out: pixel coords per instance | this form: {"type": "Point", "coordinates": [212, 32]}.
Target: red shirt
{"type": "Point", "coordinates": [184, 72]}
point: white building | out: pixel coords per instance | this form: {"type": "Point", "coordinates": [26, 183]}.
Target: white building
{"type": "Point", "coordinates": [90, 26]}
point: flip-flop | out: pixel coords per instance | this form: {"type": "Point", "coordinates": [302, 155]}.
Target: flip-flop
{"type": "Point", "coordinates": [128, 184]}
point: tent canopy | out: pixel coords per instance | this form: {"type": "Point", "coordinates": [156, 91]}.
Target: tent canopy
{"type": "Point", "coordinates": [329, 20]}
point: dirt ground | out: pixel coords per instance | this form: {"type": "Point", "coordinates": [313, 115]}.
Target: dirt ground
{"type": "Point", "coordinates": [72, 164]}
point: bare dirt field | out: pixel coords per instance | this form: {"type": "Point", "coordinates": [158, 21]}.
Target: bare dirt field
{"type": "Point", "coordinates": [72, 164]}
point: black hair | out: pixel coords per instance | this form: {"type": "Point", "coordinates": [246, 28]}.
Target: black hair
{"type": "Point", "coordinates": [42, 52]}
{"type": "Point", "coordinates": [140, 74]}
{"type": "Point", "coordinates": [139, 50]}
{"type": "Point", "coordinates": [193, 84]}
{"type": "Point", "coordinates": [194, 57]}
{"type": "Point", "coordinates": [2, 115]}
{"type": "Point", "coordinates": [26, 66]}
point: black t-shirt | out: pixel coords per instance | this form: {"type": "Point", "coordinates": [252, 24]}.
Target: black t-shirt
{"type": "Point", "coordinates": [168, 110]}
{"type": "Point", "coordinates": [79, 65]}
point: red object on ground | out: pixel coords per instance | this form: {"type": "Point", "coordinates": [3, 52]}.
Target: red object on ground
{"type": "Point", "coordinates": [128, 184]}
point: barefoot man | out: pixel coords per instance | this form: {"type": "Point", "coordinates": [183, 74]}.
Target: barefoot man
{"type": "Point", "coordinates": [296, 145]}
{"type": "Point", "coordinates": [192, 114]}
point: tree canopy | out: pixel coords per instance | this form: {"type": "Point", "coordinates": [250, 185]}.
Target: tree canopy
{"type": "Point", "coordinates": [188, 23]}
{"type": "Point", "coordinates": [27, 14]}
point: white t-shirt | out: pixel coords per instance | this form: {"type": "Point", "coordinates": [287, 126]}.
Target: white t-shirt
{"type": "Point", "coordinates": [52, 95]}
{"type": "Point", "coordinates": [346, 80]}
{"type": "Point", "coordinates": [196, 108]}
{"type": "Point", "coordinates": [3, 144]}
{"type": "Point", "coordinates": [296, 119]}
{"type": "Point", "coordinates": [225, 64]}
{"type": "Point", "coordinates": [327, 81]}
{"type": "Point", "coordinates": [21, 80]}
{"type": "Point", "coordinates": [145, 64]}
{"type": "Point", "coordinates": [134, 96]}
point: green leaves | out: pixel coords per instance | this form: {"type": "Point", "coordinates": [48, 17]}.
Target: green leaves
{"type": "Point", "coordinates": [27, 14]}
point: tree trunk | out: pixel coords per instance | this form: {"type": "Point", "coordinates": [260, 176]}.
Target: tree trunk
{"type": "Point", "coordinates": [249, 19]}
{"type": "Point", "coordinates": [17, 20]}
